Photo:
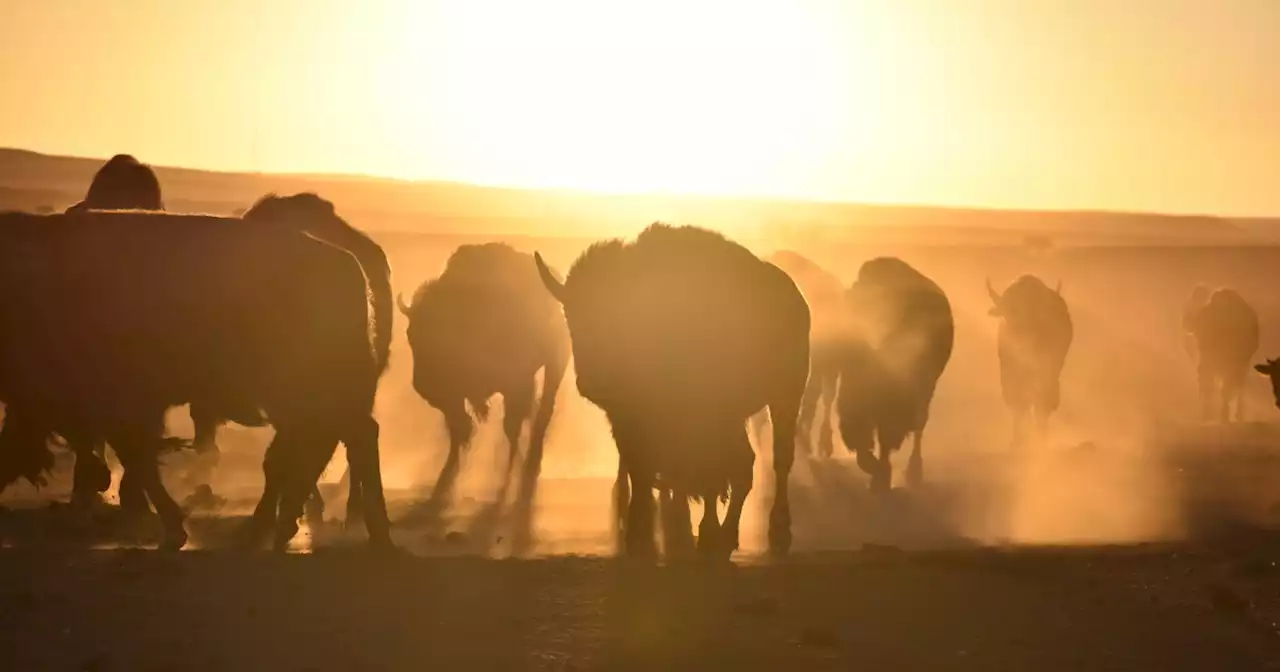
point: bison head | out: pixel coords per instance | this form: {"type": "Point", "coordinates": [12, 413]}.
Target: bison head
{"type": "Point", "coordinates": [123, 183]}
{"type": "Point", "coordinates": [1002, 306]}
{"type": "Point", "coordinates": [1270, 369]}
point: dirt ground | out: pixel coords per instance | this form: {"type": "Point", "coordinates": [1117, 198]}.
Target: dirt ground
{"type": "Point", "coordinates": [1169, 608]}
{"type": "Point", "coordinates": [901, 584]}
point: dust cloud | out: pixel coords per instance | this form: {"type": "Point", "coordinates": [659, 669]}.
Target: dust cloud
{"type": "Point", "coordinates": [1127, 459]}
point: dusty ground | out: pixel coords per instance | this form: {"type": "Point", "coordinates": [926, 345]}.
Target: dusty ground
{"type": "Point", "coordinates": [922, 580]}
{"type": "Point", "coordinates": [1175, 608]}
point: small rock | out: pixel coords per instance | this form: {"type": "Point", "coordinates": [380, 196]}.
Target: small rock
{"type": "Point", "coordinates": [1225, 599]}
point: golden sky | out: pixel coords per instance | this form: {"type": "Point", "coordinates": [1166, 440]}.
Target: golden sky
{"type": "Point", "coordinates": [1169, 105]}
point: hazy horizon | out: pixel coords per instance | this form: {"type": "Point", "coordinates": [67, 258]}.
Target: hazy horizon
{"type": "Point", "coordinates": [1081, 105]}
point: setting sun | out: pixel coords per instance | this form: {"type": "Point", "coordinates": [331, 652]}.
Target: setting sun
{"type": "Point", "coordinates": [674, 96]}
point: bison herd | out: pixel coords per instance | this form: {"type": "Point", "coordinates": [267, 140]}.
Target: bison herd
{"type": "Point", "coordinates": [116, 310]}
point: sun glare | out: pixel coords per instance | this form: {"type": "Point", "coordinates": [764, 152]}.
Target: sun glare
{"type": "Point", "coordinates": [621, 96]}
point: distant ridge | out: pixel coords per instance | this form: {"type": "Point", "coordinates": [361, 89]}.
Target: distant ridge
{"type": "Point", "coordinates": [29, 180]}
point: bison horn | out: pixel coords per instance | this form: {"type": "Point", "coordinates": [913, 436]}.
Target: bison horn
{"type": "Point", "coordinates": [404, 307]}
{"type": "Point", "coordinates": [1058, 289]}
{"type": "Point", "coordinates": [549, 279]}
{"type": "Point", "coordinates": [995, 296]}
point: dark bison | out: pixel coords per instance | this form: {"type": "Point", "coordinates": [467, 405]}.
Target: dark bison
{"type": "Point", "coordinates": [113, 317]}
{"type": "Point", "coordinates": [1226, 333]}
{"type": "Point", "coordinates": [825, 295]}
{"type": "Point", "coordinates": [122, 183]}
{"type": "Point", "coordinates": [487, 326]}
{"type": "Point", "coordinates": [899, 342]}
{"type": "Point", "coordinates": [680, 337]}
{"type": "Point", "coordinates": [125, 183]}
{"type": "Point", "coordinates": [1033, 339]}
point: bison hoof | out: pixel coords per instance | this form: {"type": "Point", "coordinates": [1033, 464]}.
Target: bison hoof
{"type": "Point", "coordinates": [779, 542]}
{"type": "Point", "coordinates": [915, 473]}
{"type": "Point", "coordinates": [881, 481]}
{"type": "Point", "coordinates": [174, 539]}
{"type": "Point", "coordinates": [284, 535]}
{"type": "Point", "coordinates": [642, 549]}
{"type": "Point", "coordinates": [382, 545]}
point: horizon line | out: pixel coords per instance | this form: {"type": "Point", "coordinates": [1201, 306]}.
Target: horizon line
{"type": "Point", "coordinates": [712, 196]}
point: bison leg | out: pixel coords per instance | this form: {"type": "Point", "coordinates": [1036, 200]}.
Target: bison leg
{"type": "Point", "coordinates": [355, 496]}
{"type": "Point", "coordinates": [1231, 398]}
{"type": "Point", "coordinates": [294, 490]}
{"type": "Point", "coordinates": [518, 404]}
{"type": "Point", "coordinates": [552, 378]}
{"type": "Point", "coordinates": [677, 531]}
{"type": "Point", "coordinates": [915, 465]}
{"type": "Point", "coordinates": [882, 477]}
{"type": "Point", "coordinates": [1020, 417]}
{"type": "Point", "coordinates": [825, 430]}
{"type": "Point", "coordinates": [639, 528]}
{"type": "Point", "coordinates": [710, 542]}
{"type": "Point", "coordinates": [274, 472]}
{"type": "Point", "coordinates": [1206, 382]}
{"type": "Point", "coordinates": [459, 425]}
{"type": "Point", "coordinates": [313, 509]}
{"type": "Point", "coordinates": [784, 414]}
{"type": "Point", "coordinates": [365, 458]}
{"type": "Point", "coordinates": [740, 482]}
{"type": "Point", "coordinates": [138, 450]}
{"type": "Point", "coordinates": [205, 443]}
{"type": "Point", "coordinates": [133, 495]}
{"type": "Point", "coordinates": [91, 476]}
{"type": "Point", "coordinates": [621, 497]}
{"type": "Point", "coordinates": [808, 411]}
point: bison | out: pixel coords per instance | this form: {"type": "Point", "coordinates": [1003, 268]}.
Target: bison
{"type": "Point", "coordinates": [1226, 333]}
{"type": "Point", "coordinates": [825, 295]}
{"type": "Point", "coordinates": [112, 317]}
{"type": "Point", "coordinates": [1033, 339]}
{"type": "Point", "coordinates": [680, 337]}
{"type": "Point", "coordinates": [122, 183]}
{"type": "Point", "coordinates": [899, 342]}
{"type": "Point", "coordinates": [487, 326]}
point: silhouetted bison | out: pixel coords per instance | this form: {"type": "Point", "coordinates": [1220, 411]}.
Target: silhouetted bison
{"type": "Point", "coordinates": [1033, 339]}
{"type": "Point", "coordinates": [825, 295]}
{"type": "Point", "coordinates": [487, 326]}
{"type": "Point", "coordinates": [1226, 335]}
{"type": "Point", "coordinates": [122, 183]}
{"type": "Point", "coordinates": [680, 337]}
{"type": "Point", "coordinates": [899, 343]}
{"type": "Point", "coordinates": [112, 317]}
